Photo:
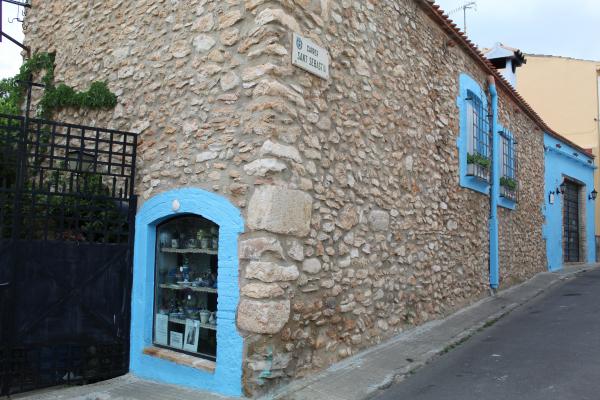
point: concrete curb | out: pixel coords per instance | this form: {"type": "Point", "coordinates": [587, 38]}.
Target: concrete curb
{"type": "Point", "coordinates": [361, 376]}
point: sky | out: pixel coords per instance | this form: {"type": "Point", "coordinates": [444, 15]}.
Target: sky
{"type": "Point", "coordinates": [10, 54]}
{"type": "Point", "coordinates": [569, 28]}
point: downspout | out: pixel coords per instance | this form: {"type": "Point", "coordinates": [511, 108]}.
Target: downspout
{"type": "Point", "coordinates": [495, 184]}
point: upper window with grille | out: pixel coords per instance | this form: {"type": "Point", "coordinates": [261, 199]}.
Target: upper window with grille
{"type": "Point", "coordinates": [474, 150]}
{"type": "Point", "coordinates": [508, 158]}
{"type": "Point", "coordinates": [478, 154]}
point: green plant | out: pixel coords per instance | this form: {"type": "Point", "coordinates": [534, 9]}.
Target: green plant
{"type": "Point", "coordinates": [72, 205]}
{"type": "Point", "coordinates": [76, 206]}
{"type": "Point", "coordinates": [8, 96]}
{"type": "Point", "coordinates": [85, 212]}
{"type": "Point", "coordinates": [478, 159]}
{"type": "Point", "coordinates": [508, 183]}
{"type": "Point", "coordinates": [56, 97]}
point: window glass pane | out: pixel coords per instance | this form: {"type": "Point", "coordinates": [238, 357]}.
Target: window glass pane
{"type": "Point", "coordinates": [186, 279]}
{"type": "Point", "coordinates": [470, 127]}
{"type": "Point", "coordinates": [477, 135]}
{"type": "Point", "coordinates": [511, 158]}
{"type": "Point", "coordinates": [504, 149]}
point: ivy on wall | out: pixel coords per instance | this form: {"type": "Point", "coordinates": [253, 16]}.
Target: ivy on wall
{"type": "Point", "coordinates": [57, 96]}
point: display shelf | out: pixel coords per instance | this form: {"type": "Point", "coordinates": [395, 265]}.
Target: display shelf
{"type": "Point", "coordinates": [189, 251]}
{"type": "Point", "coordinates": [173, 286]}
{"type": "Point", "coordinates": [182, 322]}
{"type": "Point", "coordinates": [182, 262]}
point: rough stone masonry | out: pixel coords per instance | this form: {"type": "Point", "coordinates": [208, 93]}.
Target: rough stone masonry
{"type": "Point", "coordinates": [356, 226]}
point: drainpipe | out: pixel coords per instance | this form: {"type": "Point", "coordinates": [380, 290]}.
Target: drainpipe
{"type": "Point", "coordinates": [495, 184]}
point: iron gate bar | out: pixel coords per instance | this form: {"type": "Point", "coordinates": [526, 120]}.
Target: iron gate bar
{"type": "Point", "coordinates": [66, 240]}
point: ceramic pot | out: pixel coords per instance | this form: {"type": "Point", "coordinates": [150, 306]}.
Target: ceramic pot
{"type": "Point", "coordinates": [204, 316]}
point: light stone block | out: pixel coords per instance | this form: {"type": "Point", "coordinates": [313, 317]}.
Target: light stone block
{"type": "Point", "coordinates": [271, 272]}
{"type": "Point", "coordinates": [280, 210]}
{"type": "Point", "coordinates": [263, 316]}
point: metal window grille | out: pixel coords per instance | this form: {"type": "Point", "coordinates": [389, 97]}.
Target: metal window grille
{"type": "Point", "coordinates": [571, 240]}
{"type": "Point", "coordinates": [478, 158]}
{"type": "Point", "coordinates": [508, 182]}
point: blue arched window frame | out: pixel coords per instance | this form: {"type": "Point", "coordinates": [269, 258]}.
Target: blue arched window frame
{"type": "Point", "coordinates": [227, 375]}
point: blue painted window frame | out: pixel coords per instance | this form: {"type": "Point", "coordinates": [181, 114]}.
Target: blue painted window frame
{"type": "Point", "coordinates": [468, 88]}
{"type": "Point", "coordinates": [227, 376]}
{"type": "Point", "coordinates": [507, 135]}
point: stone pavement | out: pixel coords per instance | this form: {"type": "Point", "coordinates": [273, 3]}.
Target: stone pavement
{"type": "Point", "coordinates": [357, 377]}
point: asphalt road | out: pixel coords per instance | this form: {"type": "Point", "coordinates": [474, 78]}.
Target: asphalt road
{"type": "Point", "coordinates": [547, 349]}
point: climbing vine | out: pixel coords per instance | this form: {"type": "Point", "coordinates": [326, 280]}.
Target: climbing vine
{"type": "Point", "coordinates": [56, 96]}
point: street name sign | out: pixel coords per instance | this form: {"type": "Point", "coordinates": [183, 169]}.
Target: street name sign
{"type": "Point", "coordinates": [310, 57]}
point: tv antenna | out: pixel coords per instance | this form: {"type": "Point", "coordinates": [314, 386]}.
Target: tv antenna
{"type": "Point", "coordinates": [467, 6]}
{"type": "Point", "coordinates": [19, 17]}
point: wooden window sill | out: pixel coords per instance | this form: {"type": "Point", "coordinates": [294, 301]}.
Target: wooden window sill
{"type": "Point", "coordinates": [181, 359]}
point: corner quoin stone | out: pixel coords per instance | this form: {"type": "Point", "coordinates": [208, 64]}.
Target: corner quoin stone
{"type": "Point", "coordinates": [271, 272]}
{"type": "Point", "coordinates": [258, 290]}
{"type": "Point", "coordinates": [263, 316]}
{"type": "Point", "coordinates": [280, 210]}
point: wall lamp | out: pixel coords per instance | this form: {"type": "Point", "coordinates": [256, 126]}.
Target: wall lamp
{"type": "Point", "coordinates": [559, 190]}
{"type": "Point", "coordinates": [593, 195]}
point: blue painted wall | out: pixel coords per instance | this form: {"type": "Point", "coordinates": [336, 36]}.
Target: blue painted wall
{"type": "Point", "coordinates": [560, 163]}
{"type": "Point", "coordinates": [227, 377]}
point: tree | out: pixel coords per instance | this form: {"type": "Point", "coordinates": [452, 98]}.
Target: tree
{"type": "Point", "coordinates": [9, 96]}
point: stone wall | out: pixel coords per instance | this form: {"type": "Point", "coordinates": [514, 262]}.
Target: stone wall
{"type": "Point", "coordinates": [356, 226]}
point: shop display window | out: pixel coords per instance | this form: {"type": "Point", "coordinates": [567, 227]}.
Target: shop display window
{"type": "Point", "coordinates": [186, 286]}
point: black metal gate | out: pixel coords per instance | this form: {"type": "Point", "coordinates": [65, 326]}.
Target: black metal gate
{"type": "Point", "coordinates": [66, 230]}
{"type": "Point", "coordinates": [571, 222]}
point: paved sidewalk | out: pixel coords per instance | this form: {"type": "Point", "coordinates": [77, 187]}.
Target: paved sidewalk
{"type": "Point", "coordinates": [125, 387]}
{"type": "Point", "coordinates": [357, 377]}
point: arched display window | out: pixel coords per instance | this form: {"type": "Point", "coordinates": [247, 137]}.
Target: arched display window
{"type": "Point", "coordinates": [186, 286]}
{"type": "Point", "coordinates": [185, 292]}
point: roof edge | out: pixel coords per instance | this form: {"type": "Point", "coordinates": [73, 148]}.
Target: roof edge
{"type": "Point", "coordinates": [562, 57]}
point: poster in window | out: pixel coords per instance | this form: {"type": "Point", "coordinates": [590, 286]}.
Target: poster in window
{"type": "Point", "coordinates": [176, 340]}
{"type": "Point", "coordinates": [192, 331]}
{"type": "Point", "coordinates": [161, 329]}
